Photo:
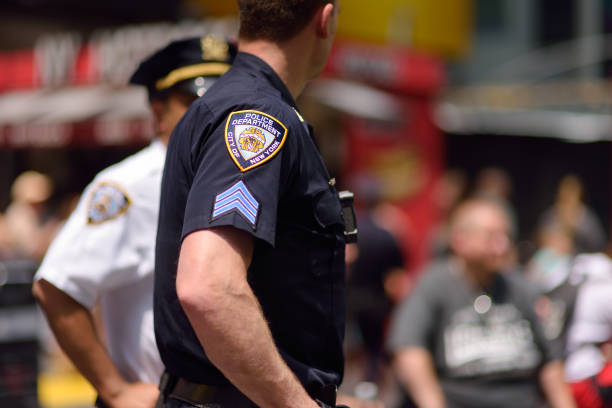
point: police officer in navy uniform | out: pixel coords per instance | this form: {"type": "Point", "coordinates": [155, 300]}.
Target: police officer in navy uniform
{"type": "Point", "coordinates": [249, 285]}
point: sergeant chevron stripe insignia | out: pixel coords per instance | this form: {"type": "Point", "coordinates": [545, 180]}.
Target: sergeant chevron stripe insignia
{"type": "Point", "coordinates": [238, 199]}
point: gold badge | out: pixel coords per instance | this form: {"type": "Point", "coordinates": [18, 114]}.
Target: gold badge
{"type": "Point", "coordinates": [214, 48]}
{"type": "Point", "coordinates": [252, 140]}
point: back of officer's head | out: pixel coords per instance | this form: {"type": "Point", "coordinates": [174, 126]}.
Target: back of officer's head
{"type": "Point", "coordinates": [276, 20]}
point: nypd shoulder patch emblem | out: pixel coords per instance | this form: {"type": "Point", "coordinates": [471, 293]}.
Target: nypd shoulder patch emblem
{"type": "Point", "coordinates": [253, 138]}
{"type": "Point", "coordinates": [239, 199]}
{"type": "Point", "coordinates": [106, 201]}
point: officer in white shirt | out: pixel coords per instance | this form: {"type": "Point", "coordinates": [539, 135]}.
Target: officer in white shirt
{"type": "Point", "coordinates": [105, 251]}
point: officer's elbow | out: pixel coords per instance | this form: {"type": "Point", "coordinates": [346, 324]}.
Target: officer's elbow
{"type": "Point", "coordinates": [37, 291]}
{"type": "Point", "coordinates": [42, 291]}
{"type": "Point", "coordinates": [196, 297]}
{"type": "Point", "coordinates": [48, 296]}
{"type": "Point", "coordinates": [211, 273]}
{"type": "Point", "coordinates": [206, 298]}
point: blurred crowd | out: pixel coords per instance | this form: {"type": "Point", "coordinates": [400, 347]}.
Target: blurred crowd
{"type": "Point", "coordinates": [29, 223]}
{"type": "Point", "coordinates": [565, 272]}
{"type": "Point", "coordinates": [462, 317]}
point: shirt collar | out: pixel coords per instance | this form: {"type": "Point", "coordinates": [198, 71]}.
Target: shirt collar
{"type": "Point", "coordinates": [158, 147]}
{"type": "Point", "coordinates": [258, 67]}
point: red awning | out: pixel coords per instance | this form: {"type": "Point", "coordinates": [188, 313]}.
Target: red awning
{"type": "Point", "coordinates": [79, 116]}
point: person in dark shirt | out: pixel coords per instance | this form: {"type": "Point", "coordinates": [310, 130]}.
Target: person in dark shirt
{"type": "Point", "coordinates": [369, 302]}
{"type": "Point", "coordinates": [249, 284]}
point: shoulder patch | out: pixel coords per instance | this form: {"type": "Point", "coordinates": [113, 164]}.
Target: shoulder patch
{"type": "Point", "coordinates": [253, 138]}
{"type": "Point", "coordinates": [106, 201]}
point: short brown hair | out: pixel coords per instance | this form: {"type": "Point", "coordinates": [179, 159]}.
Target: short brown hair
{"type": "Point", "coordinates": [276, 20]}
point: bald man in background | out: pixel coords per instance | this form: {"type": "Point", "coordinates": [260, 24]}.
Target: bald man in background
{"type": "Point", "coordinates": [467, 337]}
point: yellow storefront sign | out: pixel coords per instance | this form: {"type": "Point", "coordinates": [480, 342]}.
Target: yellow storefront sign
{"type": "Point", "coordinates": [215, 8]}
{"type": "Point", "coordinates": [442, 27]}
{"type": "Point", "coordinates": [439, 26]}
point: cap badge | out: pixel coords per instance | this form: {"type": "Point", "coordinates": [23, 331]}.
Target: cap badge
{"type": "Point", "coordinates": [214, 48]}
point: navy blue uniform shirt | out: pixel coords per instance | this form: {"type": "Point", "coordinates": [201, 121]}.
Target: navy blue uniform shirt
{"type": "Point", "coordinates": [242, 156]}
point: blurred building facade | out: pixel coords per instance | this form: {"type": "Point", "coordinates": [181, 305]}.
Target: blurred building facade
{"type": "Point", "coordinates": [413, 87]}
{"type": "Point", "coordinates": [515, 83]}
{"type": "Point", "coordinates": [533, 96]}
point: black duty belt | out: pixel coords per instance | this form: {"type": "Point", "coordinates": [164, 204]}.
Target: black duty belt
{"type": "Point", "coordinates": [202, 395]}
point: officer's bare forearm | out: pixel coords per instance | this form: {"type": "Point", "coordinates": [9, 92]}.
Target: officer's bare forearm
{"type": "Point", "coordinates": [73, 327]}
{"type": "Point", "coordinates": [227, 318]}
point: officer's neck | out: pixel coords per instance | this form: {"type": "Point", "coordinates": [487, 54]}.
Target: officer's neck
{"type": "Point", "coordinates": [290, 61]}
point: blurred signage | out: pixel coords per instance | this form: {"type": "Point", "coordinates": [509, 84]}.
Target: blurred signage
{"type": "Point", "coordinates": [392, 68]}
{"type": "Point", "coordinates": [404, 160]}
{"type": "Point", "coordinates": [216, 8]}
{"type": "Point", "coordinates": [91, 133]}
{"type": "Point", "coordinates": [109, 56]}
{"type": "Point", "coordinates": [442, 27]}
{"type": "Point", "coordinates": [572, 95]}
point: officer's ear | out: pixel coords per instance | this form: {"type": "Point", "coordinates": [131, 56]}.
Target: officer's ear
{"type": "Point", "coordinates": [326, 20]}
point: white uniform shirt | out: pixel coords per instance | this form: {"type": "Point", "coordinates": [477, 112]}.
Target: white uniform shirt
{"type": "Point", "coordinates": [106, 251]}
{"type": "Point", "coordinates": [592, 320]}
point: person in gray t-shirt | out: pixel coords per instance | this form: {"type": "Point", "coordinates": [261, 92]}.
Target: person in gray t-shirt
{"type": "Point", "coordinates": [467, 337]}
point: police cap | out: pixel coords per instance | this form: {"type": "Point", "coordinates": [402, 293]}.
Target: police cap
{"type": "Point", "coordinates": [190, 65]}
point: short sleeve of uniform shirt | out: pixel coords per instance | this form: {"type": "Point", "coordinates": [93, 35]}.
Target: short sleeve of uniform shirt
{"type": "Point", "coordinates": [96, 251]}
{"type": "Point", "coordinates": [242, 170]}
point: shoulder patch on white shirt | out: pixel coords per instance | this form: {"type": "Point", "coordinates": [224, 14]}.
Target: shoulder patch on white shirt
{"type": "Point", "coordinates": [253, 138]}
{"type": "Point", "coordinates": [106, 202]}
